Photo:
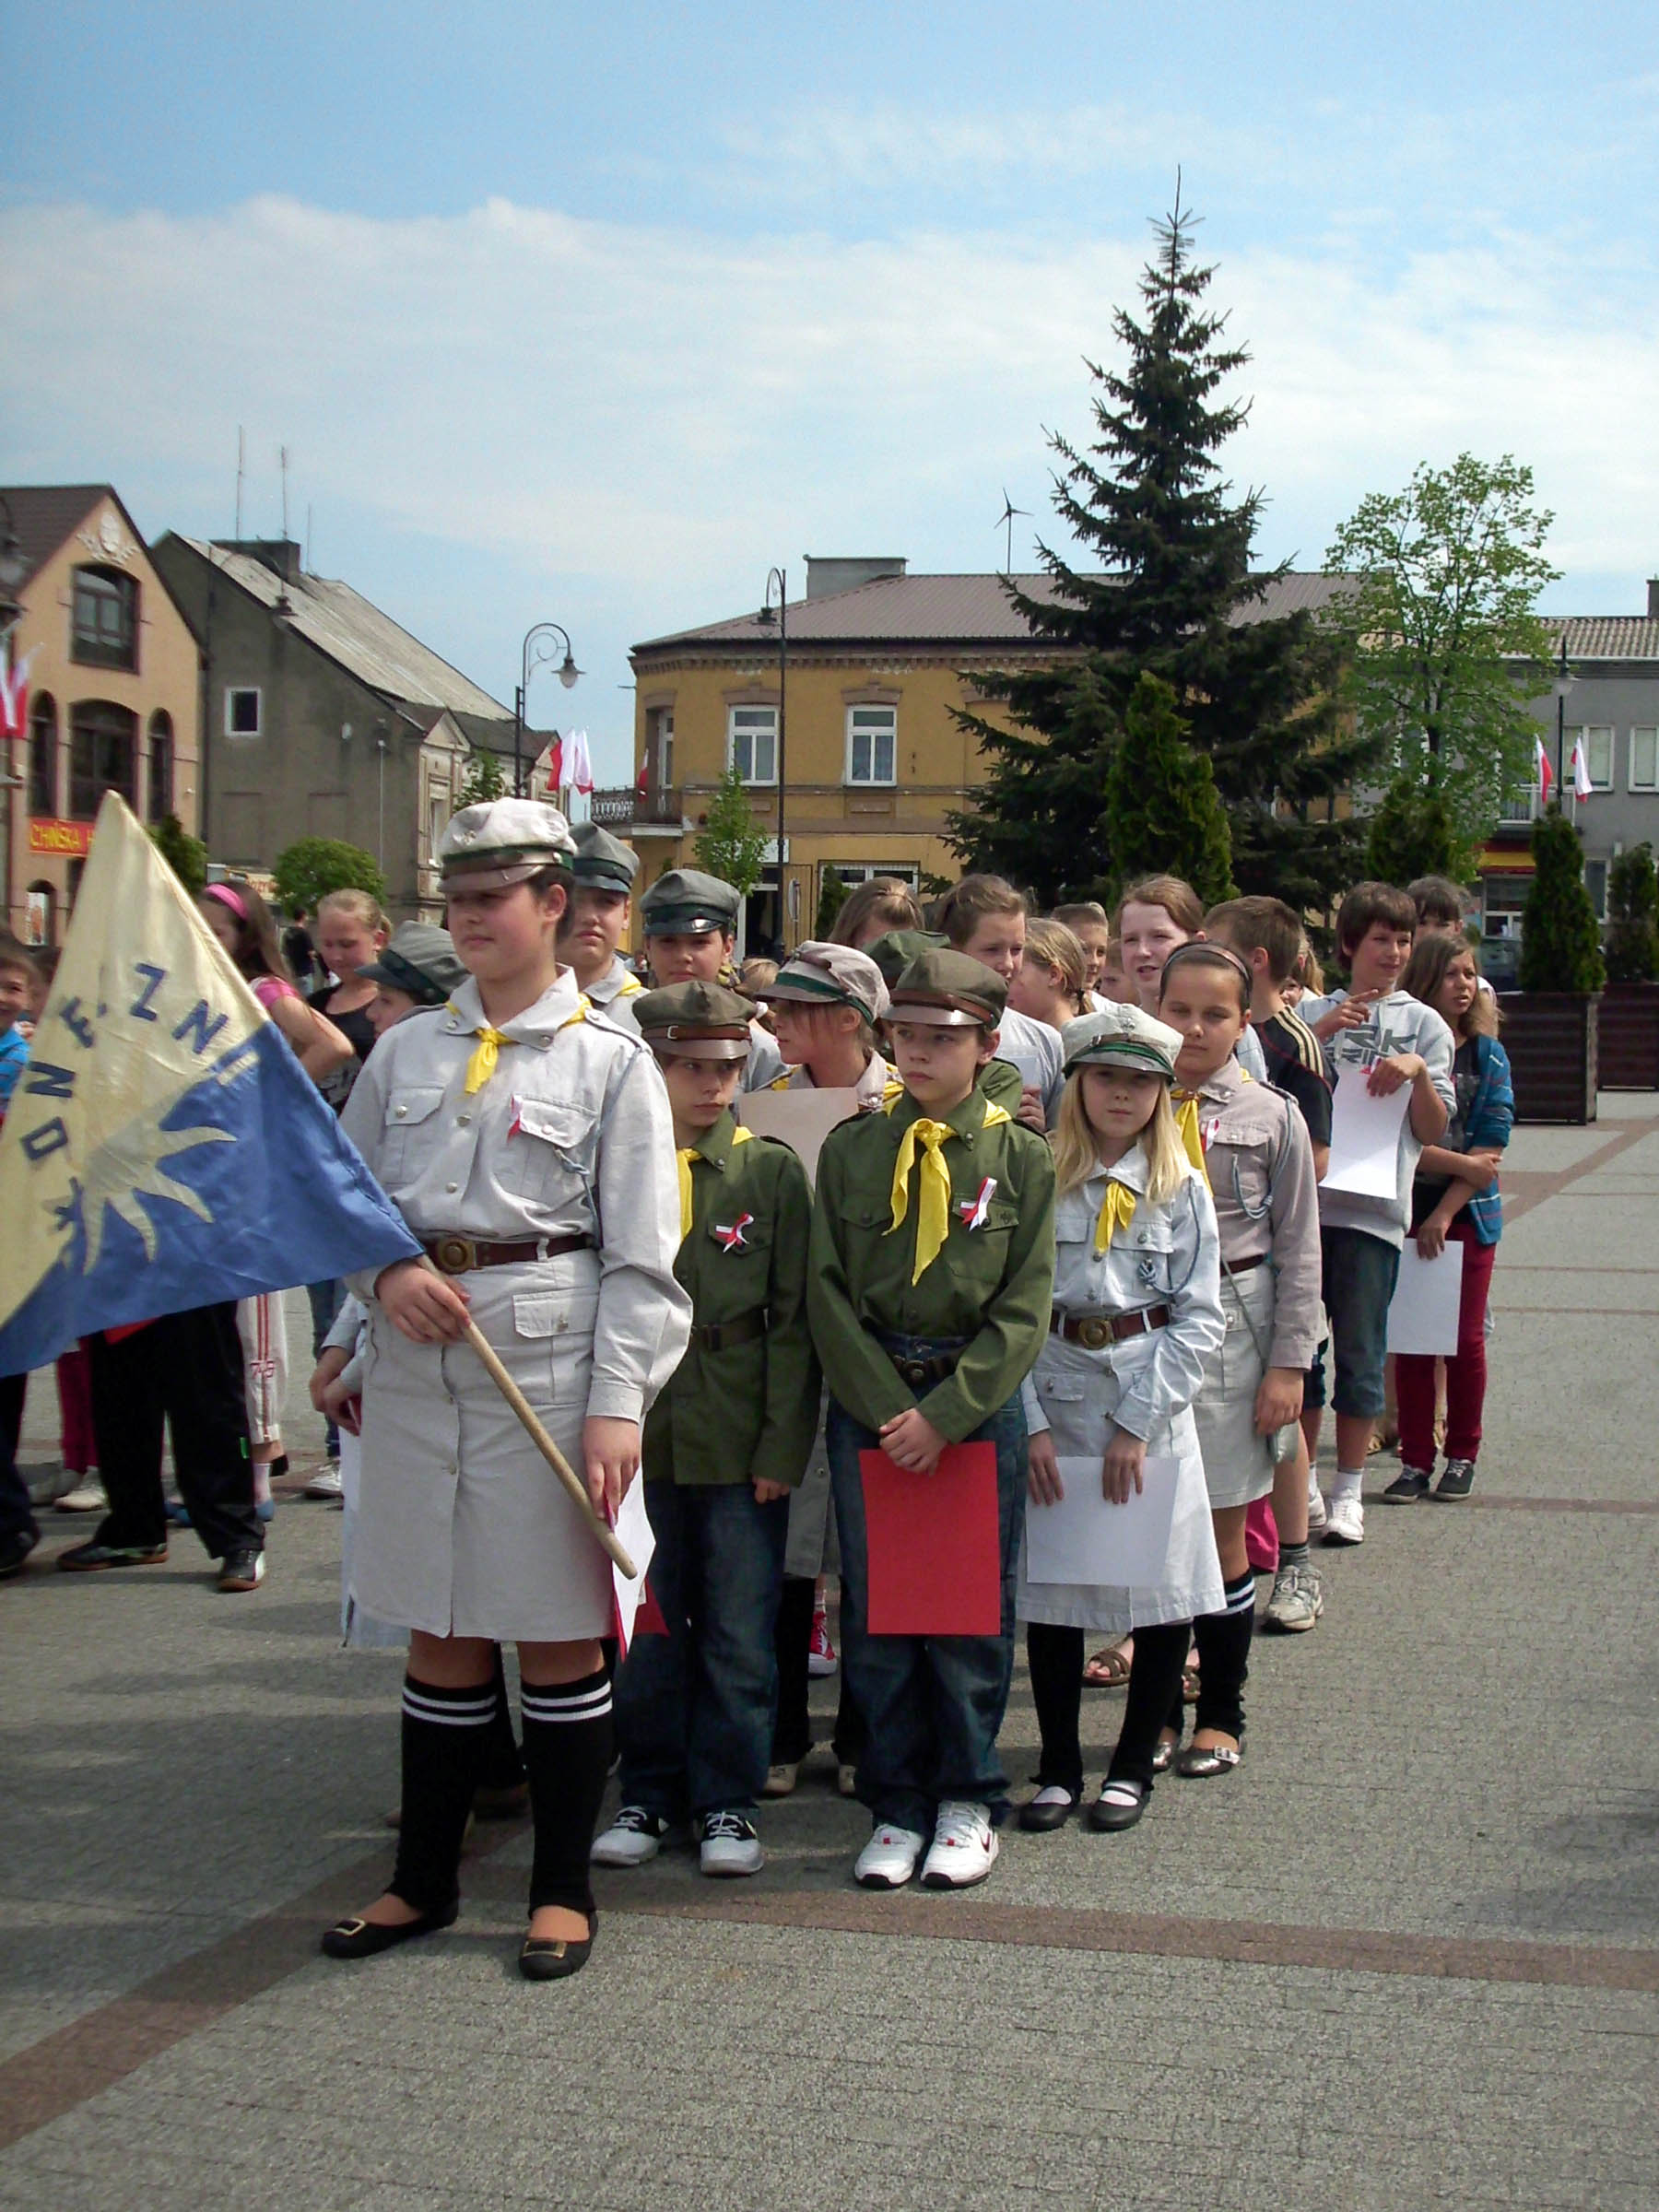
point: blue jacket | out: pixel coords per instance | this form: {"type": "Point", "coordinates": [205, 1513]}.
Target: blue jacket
{"type": "Point", "coordinates": [1490, 1119]}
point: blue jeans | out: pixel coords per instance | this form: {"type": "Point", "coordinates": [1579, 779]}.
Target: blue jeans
{"type": "Point", "coordinates": [695, 1708]}
{"type": "Point", "coordinates": [932, 1706]}
{"type": "Point", "coordinates": [1359, 1274]}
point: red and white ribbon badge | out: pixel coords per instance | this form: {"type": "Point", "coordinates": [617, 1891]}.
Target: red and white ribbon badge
{"type": "Point", "coordinates": [976, 1211]}
{"type": "Point", "coordinates": [733, 1239]}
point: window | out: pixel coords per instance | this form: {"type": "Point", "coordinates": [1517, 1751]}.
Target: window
{"type": "Point", "coordinates": [242, 711]}
{"type": "Point", "coordinates": [1595, 883]}
{"type": "Point", "coordinates": [752, 743]}
{"type": "Point", "coordinates": [1645, 760]}
{"type": "Point", "coordinates": [872, 745]}
{"type": "Point", "coordinates": [103, 739]}
{"type": "Point", "coordinates": [160, 792]}
{"type": "Point", "coordinates": [1504, 897]}
{"type": "Point", "coordinates": [1520, 805]}
{"type": "Point", "coordinates": [858, 871]}
{"type": "Point", "coordinates": [39, 914]}
{"type": "Point", "coordinates": [1598, 751]}
{"type": "Point", "coordinates": [103, 624]}
{"type": "Point", "coordinates": [659, 746]}
{"type": "Point", "coordinates": [43, 756]}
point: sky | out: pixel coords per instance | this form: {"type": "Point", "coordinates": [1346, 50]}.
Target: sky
{"type": "Point", "coordinates": [595, 316]}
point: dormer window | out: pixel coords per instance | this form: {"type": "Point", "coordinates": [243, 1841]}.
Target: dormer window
{"type": "Point", "coordinates": [104, 629]}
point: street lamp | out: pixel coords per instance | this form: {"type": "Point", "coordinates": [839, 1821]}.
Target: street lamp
{"type": "Point", "coordinates": [1563, 684]}
{"type": "Point", "coordinates": [541, 650]}
{"type": "Point", "coordinates": [767, 617]}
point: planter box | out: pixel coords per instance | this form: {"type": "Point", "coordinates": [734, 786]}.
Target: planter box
{"type": "Point", "coordinates": [1628, 1026]}
{"type": "Point", "coordinates": [1551, 1037]}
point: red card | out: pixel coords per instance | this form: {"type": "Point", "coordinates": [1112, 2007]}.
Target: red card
{"type": "Point", "coordinates": [934, 1564]}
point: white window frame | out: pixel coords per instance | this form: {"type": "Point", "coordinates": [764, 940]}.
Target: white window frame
{"type": "Point", "coordinates": [251, 691]}
{"type": "Point", "coordinates": [871, 781]}
{"type": "Point", "coordinates": [854, 872]}
{"type": "Point", "coordinates": [1519, 806]}
{"type": "Point", "coordinates": [754, 734]}
{"type": "Point", "coordinates": [660, 740]}
{"type": "Point", "coordinates": [1582, 735]}
{"type": "Point", "coordinates": [1651, 735]}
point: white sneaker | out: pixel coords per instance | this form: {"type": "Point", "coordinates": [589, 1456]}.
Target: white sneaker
{"type": "Point", "coordinates": [1318, 1519]}
{"type": "Point", "coordinates": [1345, 1522]}
{"type": "Point", "coordinates": [632, 1837]}
{"type": "Point", "coordinates": [87, 1497]}
{"type": "Point", "coordinates": [964, 1848]}
{"type": "Point", "coordinates": [888, 1859]}
{"type": "Point", "coordinates": [327, 1482]}
{"type": "Point", "coordinates": [728, 1845]}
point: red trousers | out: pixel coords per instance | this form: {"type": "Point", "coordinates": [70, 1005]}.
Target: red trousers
{"type": "Point", "coordinates": [1466, 1371]}
{"type": "Point", "coordinates": [75, 1405]}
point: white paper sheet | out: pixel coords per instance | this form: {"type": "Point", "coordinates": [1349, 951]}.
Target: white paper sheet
{"type": "Point", "coordinates": [1083, 1540]}
{"type": "Point", "coordinates": [1422, 1316]}
{"type": "Point", "coordinates": [803, 1119]}
{"type": "Point", "coordinates": [1365, 1138]}
{"type": "Point", "coordinates": [634, 1532]}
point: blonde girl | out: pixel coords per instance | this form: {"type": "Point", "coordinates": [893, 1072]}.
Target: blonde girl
{"type": "Point", "coordinates": [1052, 982]}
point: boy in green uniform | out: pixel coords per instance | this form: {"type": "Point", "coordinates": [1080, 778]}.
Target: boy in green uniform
{"type": "Point", "coordinates": [930, 1287]}
{"type": "Point", "coordinates": [724, 1445]}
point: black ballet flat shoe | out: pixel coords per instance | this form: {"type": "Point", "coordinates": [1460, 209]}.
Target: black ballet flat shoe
{"type": "Point", "coordinates": [1106, 1818]}
{"type": "Point", "coordinates": [1197, 1764]}
{"type": "Point", "coordinates": [364, 1938]}
{"type": "Point", "coordinates": [556, 1958]}
{"type": "Point", "coordinates": [1042, 1819]}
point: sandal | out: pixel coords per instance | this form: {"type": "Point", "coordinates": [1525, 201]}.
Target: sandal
{"type": "Point", "coordinates": [1108, 1669]}
{"type": "Point", "coordinates": [1189, 1683]}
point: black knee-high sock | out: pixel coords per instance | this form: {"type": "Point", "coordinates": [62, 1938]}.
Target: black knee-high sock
{"type": "Point", "coordinates": [503, 1768]}
{"type": "Point", "coordinates": [1223, 1641]}
{"type": "Point", "coordinates": [567, 1734]}
{"type": "Point", "coordinates": [1055, 1658]}
{"type": "Point", "coordinates": [445, 1736]}
{"type": "Point", "coordinates": [1154, 1679]}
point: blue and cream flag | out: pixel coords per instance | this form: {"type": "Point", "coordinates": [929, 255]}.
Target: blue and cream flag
{"type": "Point", "coordinates": [163, 1148]}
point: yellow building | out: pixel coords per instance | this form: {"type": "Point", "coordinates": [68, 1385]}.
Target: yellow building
{"type": "Point", "coordinates": [113, 703]}
{"type": "Point", "coordinates": [873, 663]}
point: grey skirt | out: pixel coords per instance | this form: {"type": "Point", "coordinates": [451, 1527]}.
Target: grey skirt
{"type": "Point", "coordinates": [1238, 1460]}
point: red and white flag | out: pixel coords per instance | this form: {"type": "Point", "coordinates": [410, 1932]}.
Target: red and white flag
{"type": "Point", "coordinates": [1582, 785]}
{"type": "Point", "coordinates": [1545, 774]}
{"type": "Point", "coordinates": [577, 764]}
{"type": "Point", "coordinates": [14, 695]}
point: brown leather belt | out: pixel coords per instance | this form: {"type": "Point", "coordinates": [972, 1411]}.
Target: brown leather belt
{"type": "Point", "coordinates": [1256, 1259]}
{"type": "Point", "coordinates": [461, 1255]}
{"type": "Point", "coordinates": [1095, 1331]}
{"type": "Point", "coordinates": [717, 1335]}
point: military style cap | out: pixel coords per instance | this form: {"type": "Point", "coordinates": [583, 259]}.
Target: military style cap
{"type": "Point", "coordinates": [896, 948]}
{"type": "Point", "coordinates": [949, 989]}
{"type": "Point", "coordinates": [421, 959]}
{"type": "Point", "coordinates": [694, 1021]}
{"type": "Point", "coordinates": [603, 862]}
{"type": "Point", "coordinates": [686, 903]}
{"type": "Point", "coordinates": [1120, 1036]}
{"type": "Point", "coordinates": [832, 975]}
{"type": "Point", "coordinates": [500, 841]}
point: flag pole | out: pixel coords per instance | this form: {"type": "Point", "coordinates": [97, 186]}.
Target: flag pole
{"type": "Point", "coordinates": [577, 1489]}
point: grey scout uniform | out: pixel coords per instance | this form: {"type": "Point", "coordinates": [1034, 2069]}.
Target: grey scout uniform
{"type": "Point", "coordinates": [1169, 1255]}
{"type": "Point", "coordinates": [614, 992]}
{"type": "Point", "coordinates": [463, 1529]}
{"type": "Point", "coordinates": [1261, 1172]}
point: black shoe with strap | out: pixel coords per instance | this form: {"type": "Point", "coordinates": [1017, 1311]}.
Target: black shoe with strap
{"type": "Point", "coordinates": [556, 1958]}
{"type": "Point", "coordinates": [366, 1938]}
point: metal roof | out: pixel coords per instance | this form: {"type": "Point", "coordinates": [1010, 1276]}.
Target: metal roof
{"type": "Point", "coordinates": [353, 631]}
{"type": "Point", "coordinates": [959, 610]}
{"type": "Point", "coordinates": [1606, 637]}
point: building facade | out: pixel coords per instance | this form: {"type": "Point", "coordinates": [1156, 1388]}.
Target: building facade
{"type": "Point", "coordinates": [111, 698]}
{"type": "Point", "coordinates": [322, 717]}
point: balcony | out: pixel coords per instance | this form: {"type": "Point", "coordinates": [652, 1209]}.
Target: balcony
{"type": "Point", "coordinates": [627, 809]}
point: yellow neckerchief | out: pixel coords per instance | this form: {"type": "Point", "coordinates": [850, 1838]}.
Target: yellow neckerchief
{"type": "Point", "coordinates": [683, 1161]}
{"type": "Point", "coordinates": [933, 1204]}
{"type": "Point", "coordinates": [1186, 1120]}
{"type": "Point", "coordinates": [1117, 1210]}
{"type": "Point", "coordinates": [487, 1053]}
{"type": "Point", "coordinates": [628, 985]}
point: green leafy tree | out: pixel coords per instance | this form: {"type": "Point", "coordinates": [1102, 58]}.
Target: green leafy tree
{"type": "Point", "coordinates": [184, 854]}
{"type": "Point", "coordinates": [1171, 595]}
{"type": "Point", "coordinates": [484, 779]}
{"type": "Point", "coordinates": [1633, 905]}
{"type": "Point", "coordinates": [1163, 813]}
{"type": "Point", "coordinates": [1440, 637]}
{"type": "Point", "coordinates": [1412, 834]}
{"type": "Point", "coordinates": [307, 870]}
{"type": "Point", "coordinates": [732, 844]}
{"type": "Point", "coordinates": [1560, 941]}
{"type": "Point", "coordinates": [833, 894]}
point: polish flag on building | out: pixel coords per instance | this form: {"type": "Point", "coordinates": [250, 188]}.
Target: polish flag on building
{"type": "Point", "coordinates": [14, 695]}
{"type": "Point", "coordinates": [1582, 785]}
{"type": "Point", "coordinates": [1545, 774]}
{"type": "Point", "coordinates": [569, 766]}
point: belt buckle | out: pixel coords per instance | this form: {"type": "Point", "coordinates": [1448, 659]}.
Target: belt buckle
{"type": "Point", "coordinates": [455, 1255]}
{"type": "Point", "coordinates": [1094, 1332]}
{"type": "Point", "coordinates": [913, 1372]}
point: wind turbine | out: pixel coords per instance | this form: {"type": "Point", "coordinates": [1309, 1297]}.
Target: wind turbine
{"type": "Point", "coordinates": [1005, 519]}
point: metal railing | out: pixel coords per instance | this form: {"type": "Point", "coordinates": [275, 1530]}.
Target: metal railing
{"type": "Point", "coordinates": [621, 808]}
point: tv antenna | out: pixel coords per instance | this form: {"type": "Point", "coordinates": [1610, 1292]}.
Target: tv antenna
{"type": "Point", "coordinates": [1005, 521]}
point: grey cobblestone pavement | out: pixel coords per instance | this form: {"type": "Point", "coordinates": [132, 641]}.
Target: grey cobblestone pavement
{"type": "Point", "coordinates": [1407, 1956]}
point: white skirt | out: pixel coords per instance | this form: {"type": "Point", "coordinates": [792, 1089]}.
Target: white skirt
{"type": "Point", "coordinates": [463, 1528]}
{"type": "Point", "coordinates": [359, 1630]}
{"type": "Point", "coordinates": [1238, 1459]}
{"type": "Point", "coordinates": [1078, 1391]}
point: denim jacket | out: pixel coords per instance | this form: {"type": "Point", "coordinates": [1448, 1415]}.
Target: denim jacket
{"type": "Point", "coordinates": [1487, 1116]}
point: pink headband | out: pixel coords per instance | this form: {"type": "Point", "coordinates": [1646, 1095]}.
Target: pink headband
{"type": "Point", "coordinates": [227, 897]}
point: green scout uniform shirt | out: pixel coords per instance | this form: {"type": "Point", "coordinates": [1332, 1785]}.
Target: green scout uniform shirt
{"type": "Point", "coordinates": [992, 1285]}
{"type": "Point", "coordinates": [747, 1412]}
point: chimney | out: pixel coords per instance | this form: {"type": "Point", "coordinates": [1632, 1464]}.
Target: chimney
{"type": "Point", "coordinates": [282, 556]}
{"type": "Point", "coordinates": [1654, 599]}
{"type": "Point", "coordinates": [846, 572]}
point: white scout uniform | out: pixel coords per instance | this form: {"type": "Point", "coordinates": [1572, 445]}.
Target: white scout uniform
{"type": "Point", "coordinates": [1261, 1174]}
{"type": "Point", "coordinates": [463, 1528]}
{"type": "Point", "coordinates": [1167, 1255]}
{"type": "Point", "coordinates": [613, 994]}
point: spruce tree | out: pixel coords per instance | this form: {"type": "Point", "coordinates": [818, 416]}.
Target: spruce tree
{"type": "Point", "coordinates": [1162, 814]}
{"type": "Point", "coordinates": [1633, 930]}
{"type": "Point", "coordinates": [1560, 943]}
{"type": "Point", "coordinates": [1412, 834]}
{"type": "Point", "coordinates": [1171, 595]}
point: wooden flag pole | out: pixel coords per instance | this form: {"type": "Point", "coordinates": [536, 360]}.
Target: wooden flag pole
{"type": "Point", "coordinates": [606, 1538]}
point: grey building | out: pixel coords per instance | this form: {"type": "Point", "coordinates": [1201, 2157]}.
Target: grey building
{"type": "Point", "coordinates": [1609, 700]}
{"type": "Point", "coordinates": [321, 717]}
